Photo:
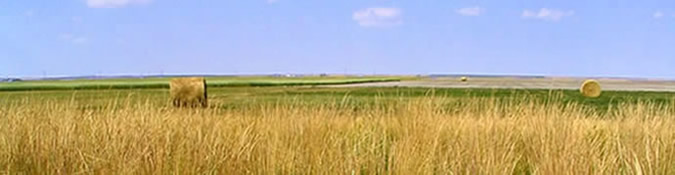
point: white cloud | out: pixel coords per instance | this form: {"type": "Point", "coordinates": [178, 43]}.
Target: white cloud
{"type": "Point", "coordinates": [547, 14]}
{"type": "Point", "coordinates": [378, 17]}
{"type": "Point", "coordinates": [74, 39]}
{"type": "Point", "coordinates": [658, 14]}
{"type": "Point", "coordinates": [470, 11]}
{"type": "Point", "coordinates": [114, 3]}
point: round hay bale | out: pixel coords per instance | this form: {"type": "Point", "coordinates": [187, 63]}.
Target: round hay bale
{"type": "Point", "coordinates": [188, 92]}
{"type": "Point", "coordinates": [591, 88]}
{"type": "Point", "coordinates": [463, 79]}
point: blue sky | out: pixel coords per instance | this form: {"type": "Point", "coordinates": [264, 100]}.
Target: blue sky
{"type": "Point", "coordinates": [545, 37]}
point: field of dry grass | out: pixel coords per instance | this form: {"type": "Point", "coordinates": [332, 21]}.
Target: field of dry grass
{"type": "Point", "coordinates": [425, 135]}
{"type": "Point", "coordinates": [570, 83]}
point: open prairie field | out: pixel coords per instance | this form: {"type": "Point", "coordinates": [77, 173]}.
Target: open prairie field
{"type": "Point", "coordinates": [515, 82]}
{"type": "Point", "coordinates": [155, 83]}
{"type": "Point", "coordinates": [337, 130]}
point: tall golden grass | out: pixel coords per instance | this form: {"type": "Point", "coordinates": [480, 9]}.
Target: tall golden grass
{"type": "Point", "coordinates": [416, 136]}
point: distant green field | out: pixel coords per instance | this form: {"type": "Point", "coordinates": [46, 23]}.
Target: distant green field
{"type": "Point", "coordinates": [158, 83]}
{"type": "Point", "coordinates": [364, 97]}
{"type": "Point", "coordinates": [237, 92]}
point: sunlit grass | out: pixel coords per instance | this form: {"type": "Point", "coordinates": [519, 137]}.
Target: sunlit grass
{"type": "Point", "coordinates": [425, 135]}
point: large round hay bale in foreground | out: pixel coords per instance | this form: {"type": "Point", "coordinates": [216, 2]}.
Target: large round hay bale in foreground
{"type": "Point", "coordinates": [188, 92]}
{"type": "Point", "coordinates": [591, 88]}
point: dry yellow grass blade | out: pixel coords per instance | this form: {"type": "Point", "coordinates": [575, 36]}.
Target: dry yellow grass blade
{"type": "Point", "coordinates": [415, 136]}
{"type": "Point", "coordinates": [188, 92]}
{"type": "Point", "coordinates": [591, 88]}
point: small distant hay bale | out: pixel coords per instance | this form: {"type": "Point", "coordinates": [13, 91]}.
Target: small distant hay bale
{"type": "Point", "coordinates": [188, 92]}
{"type": "Point", "coordinates": [591, 88]}
{"type": "Point", "coordinates": [464, 79]}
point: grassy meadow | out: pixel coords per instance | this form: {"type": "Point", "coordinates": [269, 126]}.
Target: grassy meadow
{"type": "Point", "coordinates": [321, 130]}
{"type": "Point", "coordinates": [157, 83]}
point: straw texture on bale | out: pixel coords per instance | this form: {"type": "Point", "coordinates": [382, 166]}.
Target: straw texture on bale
{"type": "Point", "coordinates": [188, 92]}
{"type": "Point", "coordinates": [591, 88]}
